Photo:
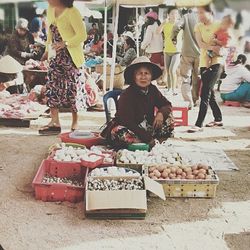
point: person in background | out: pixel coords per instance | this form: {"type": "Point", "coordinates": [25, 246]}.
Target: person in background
{"type": "Point", "coordinates": [20, 41]}
{"type": "Point", "coordinates": [93, 31]}
{"type": "Point", "coordinates": [152, 43]}
{"type": "Point", "coordinates": [97, 45]}
{"type": "Point", "coordinates": [221, 36]}
{"type": "Point", "coordinates": [236, 85]}
{"type": "Point", "coordinates": [66, 35]}
{"type": "Point", "coordinates": [130, 53]}
{"type": "Point", "coordinates": [136, 120]}
{"type": "Point", "coordinates": [204, 32]}
{"type": "Point", "coordinates": [126, 60]}
{"type": "Point", "coordinates": [171, 50]}
{"type": "Point", "coordinates": [36, 30]}
{"type": "Point", "coordinates": [189, 64]}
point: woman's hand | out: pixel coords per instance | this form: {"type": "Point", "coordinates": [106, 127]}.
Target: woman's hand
{"type": "Point", "coordinates": [2, 86]}
{"type": "Point", "coordinates": [158, 121]}
{"type": "Point", "coordinates": [152, 143]}
{"type": "Point", "coordinates": [58, 46]}
{"type": "Point", "coordinates": [216, 49]}
{"type": "Point", "coordinates": [5, 85]}
{"type": "Point", "coordinates": [44, 56]}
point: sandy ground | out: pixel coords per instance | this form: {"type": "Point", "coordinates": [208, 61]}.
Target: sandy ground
{"type": "Point", "coordinates": [219, 223]}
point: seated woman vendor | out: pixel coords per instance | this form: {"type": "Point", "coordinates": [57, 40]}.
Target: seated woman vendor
{"type": "Point", "coordinates": [135, 120]}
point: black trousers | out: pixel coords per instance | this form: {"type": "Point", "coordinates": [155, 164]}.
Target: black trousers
{"type": "Point", "coordinates": [209, 76]}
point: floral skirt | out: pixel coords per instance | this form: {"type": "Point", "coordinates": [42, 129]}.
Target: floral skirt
{"type": "Point", "coordinates": [64, 87]}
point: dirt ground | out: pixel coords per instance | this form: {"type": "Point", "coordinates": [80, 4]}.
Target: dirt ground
{"type": "Point", "coordinates": [28, 224]}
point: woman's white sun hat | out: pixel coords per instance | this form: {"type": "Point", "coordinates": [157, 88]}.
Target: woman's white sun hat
{"type": "Point", "coordinates": [129, 34]}
{"type": "Point", "coordinates": [141, 61]}
{"type": "Point", "coordinates": [9, 65]}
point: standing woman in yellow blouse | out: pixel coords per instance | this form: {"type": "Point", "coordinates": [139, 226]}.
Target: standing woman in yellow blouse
{"type": "Point", "coordinates": [210, 74]}
{"type": "Point", "coordinates": [66, 34]}
{"type": "Point", "coordinates": [171, 50]}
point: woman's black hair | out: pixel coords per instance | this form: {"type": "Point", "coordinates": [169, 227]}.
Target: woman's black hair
{"type": "Point", "coordinates": [129, 41]}
{"type": "Point", "coordinates": [67, 3]}
{"type": "Point", "coordinates": [238, 21]}
{"type": "Point", "coordinates": [247, 67]}
{"type": "Point", "coordinates": [208, 8]}
{"type": "Point", "coordinates": [4, 77]}
{"type": "Point", "coordinates": [151, 21]}
{"type": "Point", "coordinates": [241, 59]}
{"type": "Point", "coordinates": [171, 8]}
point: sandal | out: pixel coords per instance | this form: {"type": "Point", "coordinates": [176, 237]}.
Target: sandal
{"type": "Point", "coordinates": [214, 124]}
{"type": "Point", "coordinates": [49, 130]}
{"type": "Point", "coordinates": [195, 129]}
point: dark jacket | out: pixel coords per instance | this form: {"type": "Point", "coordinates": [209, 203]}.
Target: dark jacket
{"type": "Point", "coordinates": [18, 44]}
{"type": "Point", "coordinates": [135, 106]}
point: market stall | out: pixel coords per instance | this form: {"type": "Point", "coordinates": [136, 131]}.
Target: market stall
{"type": "Point", "coordinates": [114, 184]}
{"type": "Point", "coordinates": [18, 110]}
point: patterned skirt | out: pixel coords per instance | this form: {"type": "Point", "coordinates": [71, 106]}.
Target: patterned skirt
{"type": "Point", "coordinates": [121, 136]}
{"type": "Point", "coordinates": [63, 77]}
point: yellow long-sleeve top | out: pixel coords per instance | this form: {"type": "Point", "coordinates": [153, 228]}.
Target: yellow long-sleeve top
{"type": "Point", "coordinates": [72, 30]}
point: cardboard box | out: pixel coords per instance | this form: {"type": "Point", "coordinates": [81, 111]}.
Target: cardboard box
{"type": "Point", "coordinates": [189, 188]}
{"type": "Point", "coordinates": [120, 204]}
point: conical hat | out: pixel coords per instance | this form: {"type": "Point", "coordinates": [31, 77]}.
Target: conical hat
{"type": "Point", "coordinates": [9, 65]}
{"type": "Point", "coordinates": [141, 61]}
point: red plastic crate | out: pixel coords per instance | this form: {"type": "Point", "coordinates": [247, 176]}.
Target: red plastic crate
{"type": "Point", "coordinates": [93, 164]}
{"type": "Point", "coordinates": [180, 115]}
{"type": "Point", "coordinates": [85, 163]}
{"type": "Point", "coordinates": [59, 191]}
{"type": "Point", "coordinates": [60, 163]}
{"type": "Point", "coordinates": [182, 119]}
{"type": "Point", "coordinates": [88, 142]}
{"type": "Point", "coordinates": [107, 164]}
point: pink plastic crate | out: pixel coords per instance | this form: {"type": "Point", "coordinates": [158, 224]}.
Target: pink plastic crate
{"type": "Point", "coordinates": [88, 142]}
{"type": "Point", "coordinates": [59, 191]}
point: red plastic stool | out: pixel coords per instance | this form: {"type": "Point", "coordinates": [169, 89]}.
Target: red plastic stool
{"type": "Point", "coordinates": [180, 120]}
{"type": "Point", "coordinates": [232, 103]}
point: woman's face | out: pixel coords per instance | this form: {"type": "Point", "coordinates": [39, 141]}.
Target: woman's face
{"type": "Point", "coordinates": [203, 15]}
{"type": "Point", "coordinates": [173, 15]}
{"type": "Point", "coordinates": [142, 77]}
{"type": "Point", "coordinates": [21, 32]}
{"type": "Point", "coordinates": [126, 46]}
{"type": "Point", "coordinates": [54, 3]}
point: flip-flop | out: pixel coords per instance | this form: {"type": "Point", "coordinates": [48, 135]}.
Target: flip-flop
{"type": "Point", "coordinates": [214, 124]}
{"type": "Point", "coordinates": [49, 130]}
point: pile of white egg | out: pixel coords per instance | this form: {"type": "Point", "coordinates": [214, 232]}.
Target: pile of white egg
{"type": "Point", "coordinates": [113, 171]}
{"type": "Point", "coordinates": [76, 154]}
{"type": "Point", "coordinates": [115, 185]}
{"type": "Point", "coordinates": [159, 154]}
